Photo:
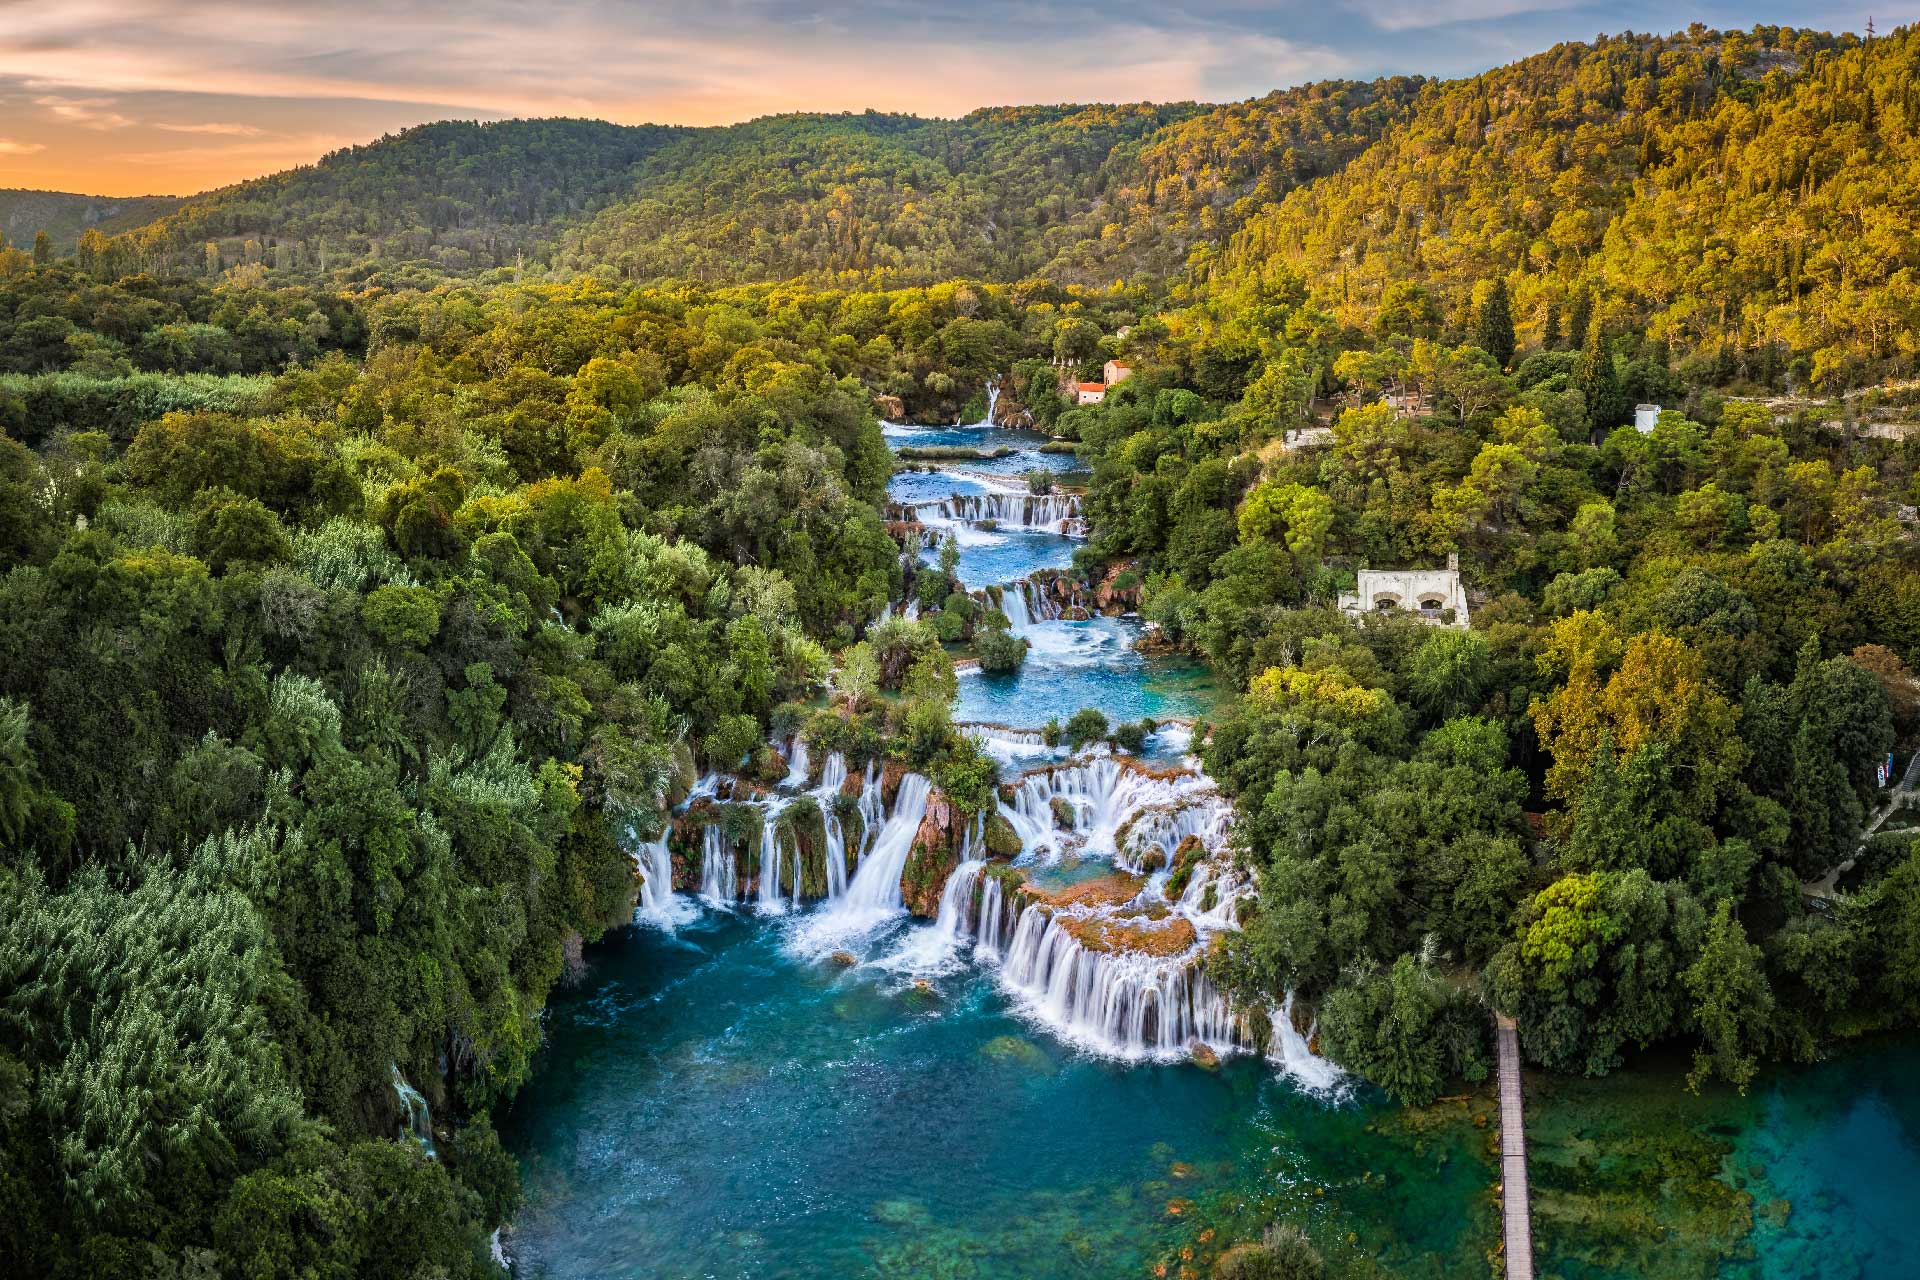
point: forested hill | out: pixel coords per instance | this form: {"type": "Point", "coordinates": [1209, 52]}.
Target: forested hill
{"type": "Point", "coordinates": [1741, 196]}
{"type": "Point", "coordinates": [65, 216]}
{"type": "Point", "coordinates": [466, 195]}
{"type": "Point", "coordinates": [1716, 184]}
{"type": "Point", "coordinates": [1003, 193]}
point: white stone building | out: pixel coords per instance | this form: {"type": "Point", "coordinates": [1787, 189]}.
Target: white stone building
{"type": "Point", "coordinates": [1646, 417]}
{"type": "Point", "coordinates": [1432, 595]}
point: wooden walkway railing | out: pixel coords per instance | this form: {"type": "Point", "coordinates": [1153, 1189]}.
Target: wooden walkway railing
{"type": "Point", "coordinates": [1517, 1208]}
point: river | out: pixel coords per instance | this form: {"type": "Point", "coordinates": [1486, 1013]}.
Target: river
{"type": "Point", "coordinates": [746, 1088]}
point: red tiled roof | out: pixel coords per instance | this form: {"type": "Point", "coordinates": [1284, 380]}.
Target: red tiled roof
{"type": "Point", "coordinates": [1093, 386]}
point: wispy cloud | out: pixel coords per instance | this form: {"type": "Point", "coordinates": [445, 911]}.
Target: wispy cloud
{"type": "Point", "coordinates": [215, 127]}
{"type": "Point", "coordinates": [88, 113]}
{"type": "Point", "coordinates": [9, 147]}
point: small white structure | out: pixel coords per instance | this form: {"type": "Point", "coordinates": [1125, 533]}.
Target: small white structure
{"type": "Point", "coordinates": [1307, 437]}
{"type": "Point", "coordinates": [1090, 392]}
{"type": "Point", "coordinates": [1117, 373]}
{"type": "Point", "coordinates": [1646, 417]}
{"type": "Point", "coordinates": [1432, 595]}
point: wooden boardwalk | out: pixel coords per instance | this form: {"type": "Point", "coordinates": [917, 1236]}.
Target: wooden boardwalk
{"type": "Point", "coordinates": [1517, 1208]}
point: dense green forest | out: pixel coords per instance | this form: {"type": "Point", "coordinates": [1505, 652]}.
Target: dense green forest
{"type": "Point", "coordinates": [384, 543]}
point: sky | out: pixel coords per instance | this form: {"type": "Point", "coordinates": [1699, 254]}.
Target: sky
{"type": "Point", "coordinates": [134, 97]}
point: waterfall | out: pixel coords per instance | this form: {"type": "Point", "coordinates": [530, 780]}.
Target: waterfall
{"type": "Point", "coordinates": [1035, 513]}
{"type": "Point", "coordinates": [770, 902]}
{"type": "Point", "coordinates": [1165, 828]}
{"type": "Point", "coordinates": [659, 906]}
{"type": "Point", "coordinates": [1122, 1004]}
{"type": "Point", "coordinates": [705, 789]}
{"type": "Point", "coordinates": [989, 930]}
{"type": "Point", "coordinates": [993, 398]}
{"type": "Point", "coordinates": [415, 1121]}
{"type": "Point", "coordinates": [719, 867]}
{"type": "Point", "coordinates": [1102, 792]}
{"type": "Point", "coordinates": [1013, 603]}
{"type": "Point", "coordinates": [935, 948]}
{"type": "Point", "coordinates": [876, 885]}
{"type": "Point", "coordinates": [797, 763]}
{"type": "Point", "coordinates": [833, 776]}
{"type": "Point", "coordinates": [1296, 1059]}
{"type": "Point", "coordinates": [873, 811]}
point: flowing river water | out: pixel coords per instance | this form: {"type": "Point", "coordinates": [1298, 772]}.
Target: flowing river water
{"type": "Point", "coordinates": [755, 1083]}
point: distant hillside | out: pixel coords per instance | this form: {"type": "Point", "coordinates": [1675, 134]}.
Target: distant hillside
{"type": "Point", "coordinates": [1090, 194]}
{"type": "Point", "coordinates": [1751, 198]}
{"type": "Point", "coordinates": [64, 216]}
{"type": "Point", "coordinates": [468, 196]}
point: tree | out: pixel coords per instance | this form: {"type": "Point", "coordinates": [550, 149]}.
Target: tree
{"type": "Point", "coordinates": [1598, 381]}
{"type": "Point", "coordinates": [1448, 672]}
{"type": "Point", "coordinates": [1732, 1003]}
{"type": "Point", "coordinates": [42, 249]}
{"type": "Point", "coordinates": [1493, 325]}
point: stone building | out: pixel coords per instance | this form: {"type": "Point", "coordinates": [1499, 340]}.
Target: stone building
{"type": "Point", "coordinates": [1432, 595]}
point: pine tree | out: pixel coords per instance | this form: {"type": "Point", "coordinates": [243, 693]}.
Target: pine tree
{"type": "Point", "coordinates": [1578, 318]}
{"type": "Point", "coordinates": [42, 249]}
{"type": "Point", "coordinates": [1550, 330]}
{"type": "Point", "coordinates": [1493, 327]}
{"type": "Point", "coordinates": [1599, 381]}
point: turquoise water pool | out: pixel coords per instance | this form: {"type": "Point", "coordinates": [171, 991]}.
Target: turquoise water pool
{"type": "Point", "coordinates": [1088, 664]}
{"type": "Point", "coordinates": [710, 1105]}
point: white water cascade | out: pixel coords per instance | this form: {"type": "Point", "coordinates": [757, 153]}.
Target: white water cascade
{"type": "Point", "coordinates": [416, 1121]}
{"type": "Point", "coordinates": [876, 885]}
{"type": "Point", "coordinates": [1102, 792]}
{"type": "Point", "coordinates": [769, 901]}
{"type": "Point", "coordinates": [1027, 512]}
{"type": "Point", "coordinates": [873, 896]}
{"type": "Point", "coordinates": [659, 905]}
{"type": "Point", "coordinates": [1294, 1055]}
{"type": "Point", "coordinates": [719, 867]}
{"type": "Point", "coordinates": [1122, 1004]}
{"type": "Point", "coordinates": [797, 764]}
{"type": "Point", "coordinates": [833, 776]}
{"type": "Point", "coordinates": [873, 812]}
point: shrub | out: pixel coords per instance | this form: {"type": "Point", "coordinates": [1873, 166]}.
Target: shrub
{"type": "Point", "coordinates": [1088, 724]}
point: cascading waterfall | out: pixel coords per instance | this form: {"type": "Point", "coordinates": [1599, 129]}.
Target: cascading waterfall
{"type": "Point", "coordinates": [833, 776]}
{"type": "Point", "coordinates": [1205, 816]}
{"type": "Point", "coordinates": [1013, 603]}
{"type": "Point", "coordinates": [1028, 512]}
{"type": "Point", "coordinates": [1102, 792]}
{"type": "Point", "coordinates": [993, 399]}
{"type": "Point", "coordinates": [416, 1121]}
{"type": "Point", "coordinates": [1294, 1055]}
{"type": "Point", "coordinates": [719, 867]}
{"type": "Point", "coordinates": [798, 765]}
{"type": "Point", "coordinates": [1118, 1003]}
{"type": "Point", "coordinates": [873, 813]}
{"type": "Point", "coordinates": [659, 905]}
{"type": "Point", "coordinates": [876, 885]}
{"type": "Point", "coordinates": [769, 901]}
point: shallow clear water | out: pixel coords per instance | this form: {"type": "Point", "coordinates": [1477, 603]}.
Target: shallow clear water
{"type": "Point", "coordinates": [980, 436]}
{"type": "Point", "coordinates": [997, 555]}
{"type": "Point", "coordinates": [1635, 1178]}
{"type": "Point", "coordinates": [710, 1105]}
{"type": "Point", "coordinates": [1087, 664]}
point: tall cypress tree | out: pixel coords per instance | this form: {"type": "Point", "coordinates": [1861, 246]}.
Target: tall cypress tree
{"type": "Point", "coordinates": [1598, 380]}
{"type": "Point", "coordinates": [1550, 330]}
{"type": "Point", "coordinates": [1493, 327]}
